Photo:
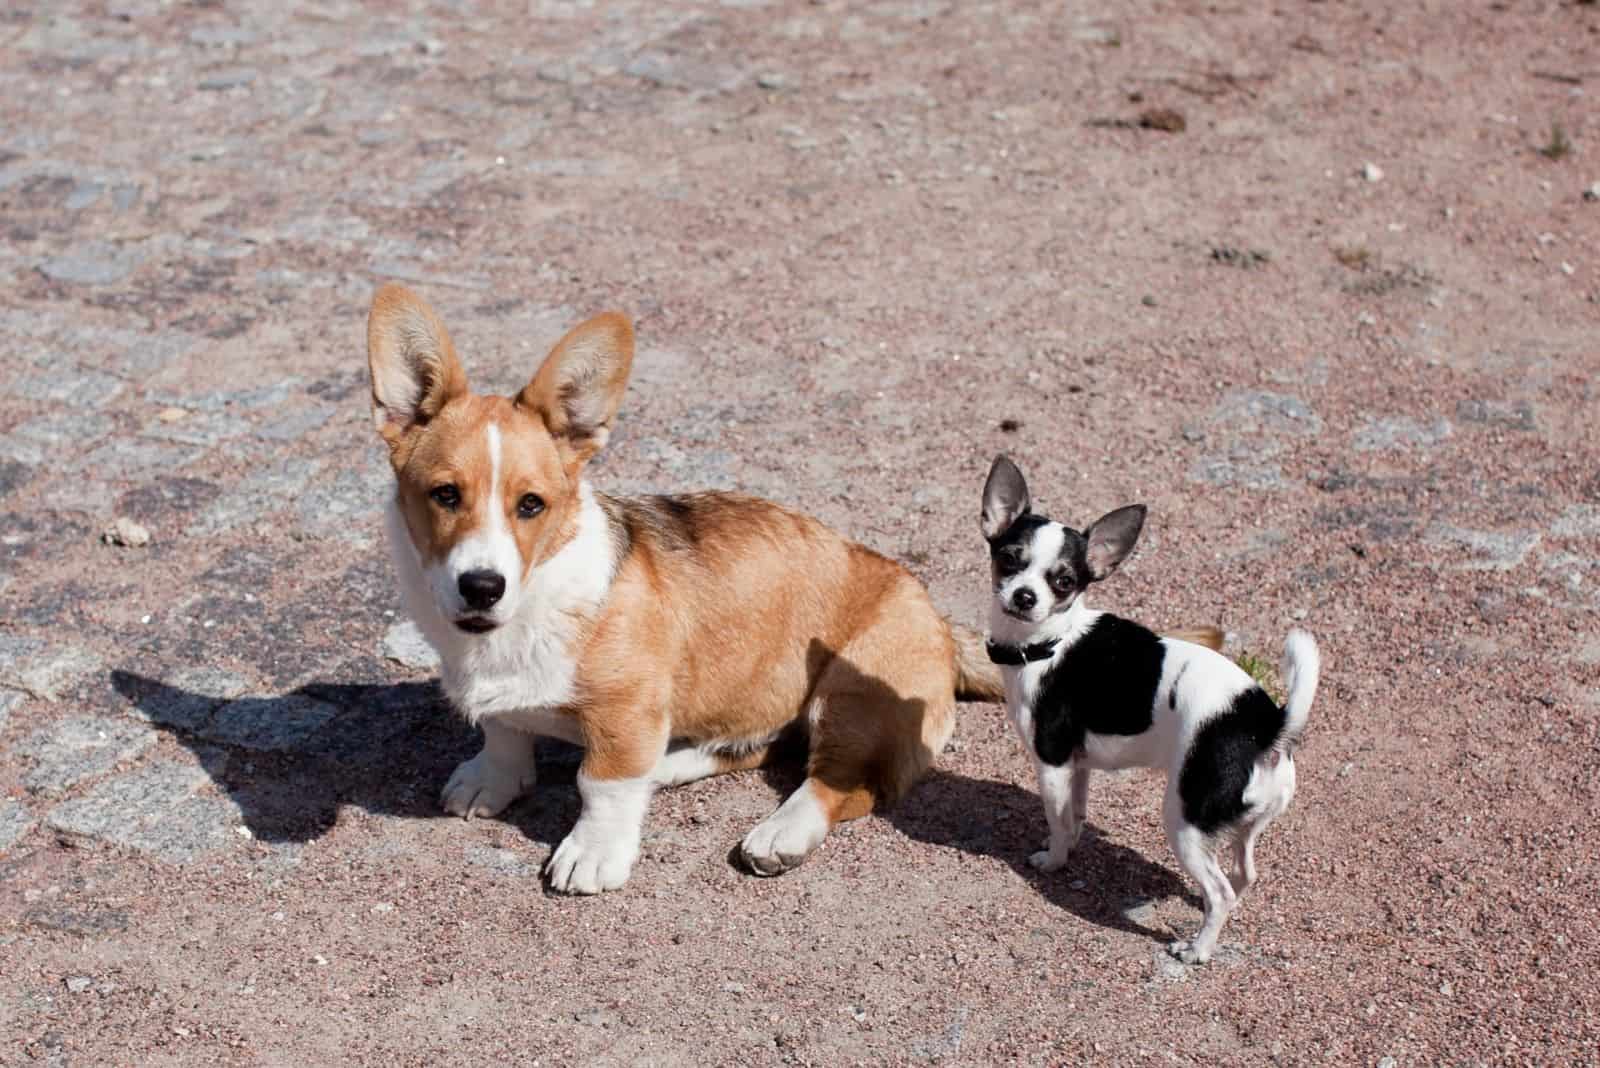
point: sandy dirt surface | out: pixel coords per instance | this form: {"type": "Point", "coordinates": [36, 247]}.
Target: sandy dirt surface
{"type": "Point", "coordinates": [1341, 330]}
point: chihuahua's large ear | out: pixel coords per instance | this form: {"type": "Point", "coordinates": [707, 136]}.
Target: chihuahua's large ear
{"type": "Point", "coordinates": [1111, 539]}
{"type": "Point", "coordinates": [580, 384]}
{"type": "Point", "coordinates": [413, 363]}
{"type": "Point", "coordinates": [1005, 498]}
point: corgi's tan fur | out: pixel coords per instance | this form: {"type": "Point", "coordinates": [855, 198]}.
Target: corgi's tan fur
{"type": "Point", "coordinates": [672, 637]}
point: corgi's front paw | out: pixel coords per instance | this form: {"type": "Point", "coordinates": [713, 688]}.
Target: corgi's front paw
{"type": "Point", "coordinates": [480, 787]}
{"type": "Point", "coordinates": [591, 860]}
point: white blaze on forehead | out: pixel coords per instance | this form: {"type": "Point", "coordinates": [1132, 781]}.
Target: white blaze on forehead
{"type": "Point", "coordinates": [490, 546]}
{"type": "Point", "coordinates": [1045, 549]}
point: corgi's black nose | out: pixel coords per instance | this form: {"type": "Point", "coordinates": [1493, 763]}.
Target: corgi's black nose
{"type": "Point", "coordinates": [1024, 600]}
{"type": "Point", "coordinates": [481, 589]}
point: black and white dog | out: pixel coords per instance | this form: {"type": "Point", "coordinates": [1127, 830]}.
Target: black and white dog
{"type": "Point", "coordinates": [1089, 690]}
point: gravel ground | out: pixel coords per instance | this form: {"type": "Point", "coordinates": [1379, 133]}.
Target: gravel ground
{"type": "Point", "coordinates": [1317, 281]}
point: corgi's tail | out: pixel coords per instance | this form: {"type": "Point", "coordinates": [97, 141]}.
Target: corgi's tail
{"type": "Point", "coordinates": [1302, 665]}
{"type": "Point", "coordinates": [976, 678]}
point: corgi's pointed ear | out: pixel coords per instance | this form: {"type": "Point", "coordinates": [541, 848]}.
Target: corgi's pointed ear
{"type": "Point", "coordinates": [414, 367]}
{"type": "Point", "coordinates": [1005, 498]}
{"type": "Point", "coordinates": [579, 387]}
{"type": "Point", "coordinates": [1111, 539]}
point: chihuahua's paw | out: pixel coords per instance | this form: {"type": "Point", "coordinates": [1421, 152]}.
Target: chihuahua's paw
{"type": "Point", "coordinates": [1047, 860]}
{"type": "Point", "coordinates": [589, 861]}
{"type": "Point", "coordinates": [784, 839]}
{"type": "Point", "coordinates": [479, 787]}
{"type": "Point", "coordinates": [1189, 953]}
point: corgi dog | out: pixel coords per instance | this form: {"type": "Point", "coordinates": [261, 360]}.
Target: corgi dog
{"type": "Point", "coordinates": [1089, 690]}
{"type": "Point", "coordinates": [672, 637]}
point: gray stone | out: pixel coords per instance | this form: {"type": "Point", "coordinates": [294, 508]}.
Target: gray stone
{"type": "Point", "coordinates": [1245, 464]}
{"type": "Point", "coordinates": [270, 723]}
{"type": "Point", "coordinates": [154, 809]}
{"type": "Point", "coordinates": [1498, 551]}
{"type": "Point", "coordinates": [271, 396]}
{"type": "Point", "coordinates": [136, 461]}
{"type": "Point", "coordinates": [1514, 415]}
{"type": "Point", "coordinates": [93, 263]}
{"type": "Point", "coordinates": [1170, 968]}
{"type": "Point", "coordinates": [348, 506]}
{"type": "Point", "coordinates": [1265, 411]}
{"type": "Point", "coordinates": [83, 195]}
{"type": "Point", "coordinates": [229, 78]}
{"type": "Point", "coordinates": [145, 354]}
{"type": "Point", "coordinates": [1578, 521]}
{"type": "Point", "coordinates": [296, 425]}
{"type": "Point", "coordinates": [79, 984]}
{"type": "Point", "coordinates": [261, 493]}
{"type": "Point", "coordinates": [202, 428]}
{"type": "Point", "coordinates": [683, 72]}
{"type": "Point", "coordinates": [188, 699]}
{"type": "Point", "coordinates": [45, 438]}
{"type": "Point", "coordinates": [221, 36]}
{"type": "Point", "coordinates": [502, 861]}
{"type": "Point", "coordinates": [1386, 433]}
{"type": "Point", "coordinates": [28, 664]}
{"type": "Point", "coordinates": [72, 750]}
{"type": "Point", "coordinates": [66, 384]}
{"type": "Point", "coordinates": [15, 821]}
{"type": "Point", "coordinates": [9, 700]}
{"type": "Point", "coordinates": [405, 645]}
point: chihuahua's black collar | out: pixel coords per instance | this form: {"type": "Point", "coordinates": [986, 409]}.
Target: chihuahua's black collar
{"type": "Point", "coordinates": [1013, 655]}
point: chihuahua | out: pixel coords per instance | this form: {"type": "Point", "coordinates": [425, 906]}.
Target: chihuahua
{"type": "Point", "coordinates": [1089, 690]}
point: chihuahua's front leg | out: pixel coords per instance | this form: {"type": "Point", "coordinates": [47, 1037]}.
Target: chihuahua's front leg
{"type": "Point", "coordinates": [502, 771]}
{"type": "Point", "coordinates": [1055, 790]}
{"type": "Point", "coordinates": [614, 782]}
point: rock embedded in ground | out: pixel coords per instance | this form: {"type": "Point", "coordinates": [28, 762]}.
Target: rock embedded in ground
{"type": "Point", "coordinates": [66, 752]}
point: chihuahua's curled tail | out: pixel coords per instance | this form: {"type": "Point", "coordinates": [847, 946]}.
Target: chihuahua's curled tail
{"type": "Point", "coordinates": [1302, 664]}
{"type": "Point", "coordinates": [978, 679]}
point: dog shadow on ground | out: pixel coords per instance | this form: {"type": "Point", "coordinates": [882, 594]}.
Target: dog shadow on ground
{"type": "Point", "coordinates": [291, 760]}
{"type": "Point", "coordinates": [990, 818]}
{"type": "Point", "coordinates": [1104, 883]}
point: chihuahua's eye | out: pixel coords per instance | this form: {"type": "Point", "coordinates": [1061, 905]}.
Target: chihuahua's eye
{"type": "Point", "coordinates": [1009, 561]}
{"type": "Point", "coordinates": [529, 505]}
{"type": "Point", "coordinates": [1060, 585]}
{"type": "Point", "coordinates": [446, 496]}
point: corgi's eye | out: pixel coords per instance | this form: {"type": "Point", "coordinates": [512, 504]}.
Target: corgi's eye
{"type": "Point", "coordinates": [529, 505]}
{"type": "Point", "coordinates": [446, 496]}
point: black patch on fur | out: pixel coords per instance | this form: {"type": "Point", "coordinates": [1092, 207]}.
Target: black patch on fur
{"type": "Point", "coordinates": [670, 522]}
{"type": "Point", "coordinates": [1222, 756]}
{"type": "Point", "coordinates": [1104, 683]}
{"type": "Point", "coordinates": [1019, 532]}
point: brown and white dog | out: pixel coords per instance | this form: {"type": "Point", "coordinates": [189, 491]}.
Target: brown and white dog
{"type": "Point", "coordinates": [672, 637]}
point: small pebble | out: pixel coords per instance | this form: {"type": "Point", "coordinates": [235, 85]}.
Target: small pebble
{"type": "Point", "coordinates": [1372, 172]}
{"type": "Point", "coordinates": [1592, 193]}
{"type": "Point", "coordinates": [79, 984]}
{"type": "Point", "coordinates": [127, 532]}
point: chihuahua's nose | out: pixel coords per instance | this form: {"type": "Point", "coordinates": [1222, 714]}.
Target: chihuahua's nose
{"type": "Point", "coordinates": [1024, 600]}
{"type": "Point", "coordinates": [481, 589]}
